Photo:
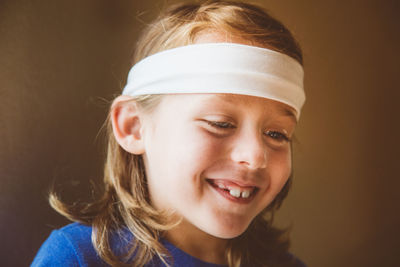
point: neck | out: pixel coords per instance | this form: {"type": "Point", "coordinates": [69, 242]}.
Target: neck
{"type": "Point", "coordinates": [197, 243]}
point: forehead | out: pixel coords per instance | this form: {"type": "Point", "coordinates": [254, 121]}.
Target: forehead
{"type": "Point", "coordinates": [279, 108]}
{"type": "Point", "coordinates": [233, 102]}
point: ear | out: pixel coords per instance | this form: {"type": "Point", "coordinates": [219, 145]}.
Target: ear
{"type": "Point", "coordinates": [127, 125]}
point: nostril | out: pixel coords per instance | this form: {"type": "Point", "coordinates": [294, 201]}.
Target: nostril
{"type": "Point", "coordinates": [253, 161]}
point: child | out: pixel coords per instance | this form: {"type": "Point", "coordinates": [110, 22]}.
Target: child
{"type": "Point", "coordinates": [199, 149]}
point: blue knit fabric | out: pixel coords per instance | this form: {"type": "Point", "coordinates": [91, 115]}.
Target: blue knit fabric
{"type": "Point", "coordinates": [72, 246]}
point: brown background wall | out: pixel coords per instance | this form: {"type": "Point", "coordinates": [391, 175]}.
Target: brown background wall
{"type": "Point", "coordinates": [60, 59]}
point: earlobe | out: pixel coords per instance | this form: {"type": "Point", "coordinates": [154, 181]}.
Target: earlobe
{"type": "Point", "coordinates": [127, 125]}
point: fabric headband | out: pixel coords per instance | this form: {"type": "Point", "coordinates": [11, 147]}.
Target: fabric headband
{"type": "Point", "coordinates": [220, 68]}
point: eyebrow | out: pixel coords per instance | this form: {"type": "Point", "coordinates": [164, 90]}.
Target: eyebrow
{"type": "Point", "coordinates": [288, 112]}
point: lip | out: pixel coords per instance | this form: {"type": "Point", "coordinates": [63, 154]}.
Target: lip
{"type": "Point", "coordinates": [224, 193]}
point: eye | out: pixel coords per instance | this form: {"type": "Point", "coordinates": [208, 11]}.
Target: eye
{"type": "Point", "coordinates": [221, 124]}
{"type": "Point", "coordinates": [278, 136]}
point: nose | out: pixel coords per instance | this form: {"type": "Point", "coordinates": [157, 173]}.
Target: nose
{"type": "Point", "coordinates": [249, 150]}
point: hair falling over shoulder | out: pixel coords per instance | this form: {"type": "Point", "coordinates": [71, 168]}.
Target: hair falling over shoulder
{"type": "Point", "coordinates": [125, 201]}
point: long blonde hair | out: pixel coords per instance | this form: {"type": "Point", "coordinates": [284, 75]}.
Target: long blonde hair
{"type": "Point", "coordinates": [125, 202]}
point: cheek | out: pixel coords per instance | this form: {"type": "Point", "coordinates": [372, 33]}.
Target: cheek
{"type": "Point", "coordinates": [281, 167]}
{"type": "Point", "coordinates": [177, 160]}
{"type": "Point", "coordinates": [198, 149]}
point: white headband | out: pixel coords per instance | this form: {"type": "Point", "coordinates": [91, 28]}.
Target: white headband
{"type": "Point", "coordinates": [220, 68]}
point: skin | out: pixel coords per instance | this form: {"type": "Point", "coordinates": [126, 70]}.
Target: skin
{"type": "Point", "coordinates": [191, 142]}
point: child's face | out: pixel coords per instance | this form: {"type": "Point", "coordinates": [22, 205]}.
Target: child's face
{"type": "Point", "coordinates": [217, 160]}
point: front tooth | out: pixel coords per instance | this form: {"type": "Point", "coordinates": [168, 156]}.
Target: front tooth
{"type": "Point", "coordinates": [221, 186]}
{"type": "Point", "coordinates": [234, 192]}
{"type": "Point", "coordinates": [245, 194]}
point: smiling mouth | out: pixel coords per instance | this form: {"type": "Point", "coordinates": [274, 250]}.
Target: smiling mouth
{"type": "Point", "coordinates": [233, 191]}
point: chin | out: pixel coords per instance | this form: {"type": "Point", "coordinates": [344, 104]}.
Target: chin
{"type": "Point", "coordinates": [227, 230]}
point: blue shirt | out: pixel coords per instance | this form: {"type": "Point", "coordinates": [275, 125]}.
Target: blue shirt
{"type": "Point", "coordinates": [72, 246]}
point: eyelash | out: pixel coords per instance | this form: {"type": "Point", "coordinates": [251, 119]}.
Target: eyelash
{"type": "Point", "coordinates": [278, 136]}
{"type": "Point", "coordinates": [227, 125]}
{"type": "Point", "coordinates": [221, 124]}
